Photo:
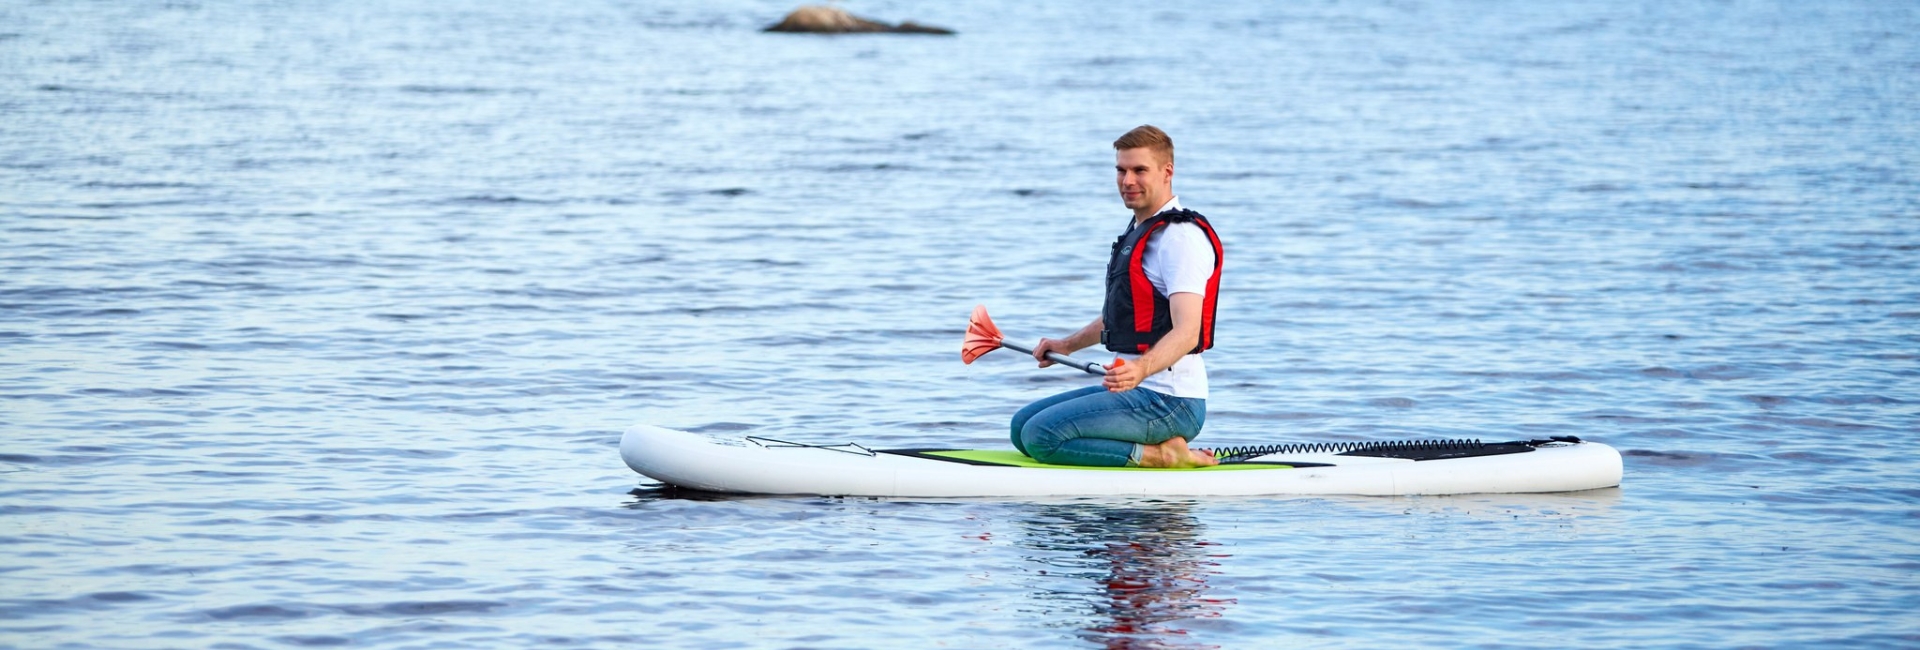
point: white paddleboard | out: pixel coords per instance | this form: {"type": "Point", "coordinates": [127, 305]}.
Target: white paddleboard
{"type": "Point", "coordinates": [757, 465]}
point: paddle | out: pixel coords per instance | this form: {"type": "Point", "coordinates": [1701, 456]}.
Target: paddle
{"type": "Point", "coordinates": [983, 337]}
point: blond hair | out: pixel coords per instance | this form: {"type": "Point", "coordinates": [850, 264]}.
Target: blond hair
{"type": "Point", "coordinates": [1149, 136]}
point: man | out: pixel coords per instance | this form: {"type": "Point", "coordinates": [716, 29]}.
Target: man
{"type": "Point", "coordinates": [1163, 280]}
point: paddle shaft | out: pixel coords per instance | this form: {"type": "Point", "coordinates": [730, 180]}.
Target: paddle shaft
{"type": "Point", "coordinates": [1088, 367]}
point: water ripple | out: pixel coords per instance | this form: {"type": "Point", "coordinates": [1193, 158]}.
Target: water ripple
{"type": "Point", "coordinates": [318, 328]}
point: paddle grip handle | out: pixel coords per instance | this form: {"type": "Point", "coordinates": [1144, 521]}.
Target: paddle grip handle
{"type": "Point", "coordinates": [1088, 367]}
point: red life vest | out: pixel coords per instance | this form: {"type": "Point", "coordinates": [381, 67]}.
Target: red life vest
{"type": "Point", "coordinates": [1136, 315]}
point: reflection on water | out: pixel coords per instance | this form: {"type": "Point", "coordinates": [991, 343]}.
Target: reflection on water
{"type": "Point", "coordinates": [655, 491]}
{"type": "Point", "coordinates": [1136, 572]}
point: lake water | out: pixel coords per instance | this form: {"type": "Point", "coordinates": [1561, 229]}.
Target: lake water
{"type": "Point", "coordinates": [319, 322]}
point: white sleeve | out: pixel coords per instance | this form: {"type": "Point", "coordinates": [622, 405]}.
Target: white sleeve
{"type": "Point", "coordinates": [1179, 259]}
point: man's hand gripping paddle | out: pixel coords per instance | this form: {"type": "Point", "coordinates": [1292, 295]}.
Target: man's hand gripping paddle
{"type": "Point", "coordinates": [983, 337]}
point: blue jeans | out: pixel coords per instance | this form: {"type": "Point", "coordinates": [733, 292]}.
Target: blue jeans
{"type": "Point", "coordinates": [1091, 426]}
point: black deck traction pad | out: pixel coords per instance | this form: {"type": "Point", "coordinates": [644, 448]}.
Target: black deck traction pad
{"type": "Point", "coordinates": [1403, 449]}
{"type": "Point", "coordinates": [1487, 449]}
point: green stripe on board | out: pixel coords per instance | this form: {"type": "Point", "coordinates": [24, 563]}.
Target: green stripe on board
{"type": "Point", "coordinates": [1017, 459]}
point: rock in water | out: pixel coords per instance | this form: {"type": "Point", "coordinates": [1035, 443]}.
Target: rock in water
{"type": "Point", "coordinates": [817, 19]}
{"type": "Point", "coordinates": [911, 27]}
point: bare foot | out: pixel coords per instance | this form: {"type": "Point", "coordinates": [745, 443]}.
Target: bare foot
{"type": "Point", "coordinates": [1192, 457]}
{"type": "Point", "coordinates": [1174, 454]}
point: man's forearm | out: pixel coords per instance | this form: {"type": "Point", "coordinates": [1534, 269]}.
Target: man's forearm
{"type": "Point", "coordinates": [1171, 348]}
{"type": "Point", "coordinates": [1086, 337]}
{"type": "Point", "coordinates": [1185, 309]}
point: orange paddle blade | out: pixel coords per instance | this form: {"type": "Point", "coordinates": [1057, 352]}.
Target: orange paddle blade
{"type": "Point", "coordinates": [982, 336]}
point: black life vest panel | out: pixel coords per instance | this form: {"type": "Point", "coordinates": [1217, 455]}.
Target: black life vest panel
{"type": "Point", "coordinates": [1136, 315]}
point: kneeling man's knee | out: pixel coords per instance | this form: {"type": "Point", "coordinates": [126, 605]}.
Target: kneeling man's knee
{"type": "Point", "coordinates": [1040, 441]}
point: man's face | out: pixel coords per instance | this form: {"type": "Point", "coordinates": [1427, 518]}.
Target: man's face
{"type": "Point", "coordinates": [1145, 181]}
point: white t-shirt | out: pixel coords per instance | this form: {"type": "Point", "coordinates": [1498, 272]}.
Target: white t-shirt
{"type": "Point", "coordinates": [1179, 259]}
